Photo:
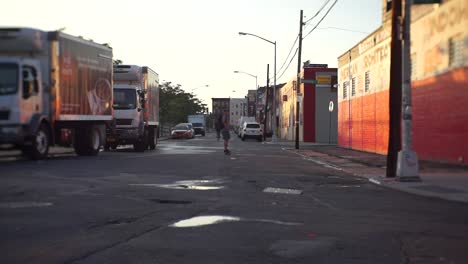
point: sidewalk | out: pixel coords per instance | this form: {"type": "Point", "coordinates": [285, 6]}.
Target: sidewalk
{"type": "Point", "coordinates": [445, 181]}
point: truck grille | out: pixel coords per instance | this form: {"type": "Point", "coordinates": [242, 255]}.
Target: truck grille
{"type": "Point", "coordinates": [124, 122]}
{"type": "Point", "coordinates": [4, 114]}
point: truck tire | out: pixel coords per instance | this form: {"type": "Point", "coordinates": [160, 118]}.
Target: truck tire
{"type": "Point", "coordinates": [153, 139]}
{"type": "Point", "coordinates": [40, 144]}
{"type": "Point", "coordinates": [87, 141]}
{"type": "Point", "coordinates": [203, 134]}
{"type": "Point", "coordinates": [142, 144]}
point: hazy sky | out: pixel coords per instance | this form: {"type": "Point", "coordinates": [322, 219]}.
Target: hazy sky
{"type": "Point", "coordinates": [196, 43]}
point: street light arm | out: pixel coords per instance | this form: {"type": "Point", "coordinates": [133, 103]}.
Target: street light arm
{"type": "Point", "coordinates": [249, 34]}
{"type": "Point", "coordinates": [246, 73]}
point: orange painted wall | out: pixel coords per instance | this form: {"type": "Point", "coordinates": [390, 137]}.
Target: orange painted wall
{"type": "Point", "coordinates": [369, 123]}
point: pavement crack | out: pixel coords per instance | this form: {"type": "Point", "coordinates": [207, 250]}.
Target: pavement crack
{"type": "Point", "coordinates": [123, 241]}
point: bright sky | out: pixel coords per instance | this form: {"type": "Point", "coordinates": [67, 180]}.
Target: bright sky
{"type": "Point", "coordinates": [196, 43]}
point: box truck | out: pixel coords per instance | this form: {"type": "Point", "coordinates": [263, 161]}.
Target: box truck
{"type": "Point", "coordinates": [51, 81]}
{"type": "Point", "coordinates": [199, 124]}
{"type": "Point", "coordinates": [136, 108]}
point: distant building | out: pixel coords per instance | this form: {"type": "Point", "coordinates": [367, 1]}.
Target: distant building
{"type": "Point", "coordinates": [220, 106]}
{"type": "Point", "coordinates": [316, 122]}
{"type": "Point", "coordinates": [439, 60]}
{"type": "Point", "coordinates": [238, 107]}
{"type": "Point", "coordinates": [251, 100]}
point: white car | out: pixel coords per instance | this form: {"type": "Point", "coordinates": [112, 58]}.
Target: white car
{"type": "Point", "coordinates": [251, 130]}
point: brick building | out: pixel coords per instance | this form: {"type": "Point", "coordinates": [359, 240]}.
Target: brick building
{"type": "Point", "coordinates": [316, 122]}
{"type": "Point", "coordinates": [439, 73]}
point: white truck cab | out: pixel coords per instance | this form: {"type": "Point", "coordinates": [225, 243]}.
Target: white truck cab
{"type": "Point", "coordinates": [136, 107]}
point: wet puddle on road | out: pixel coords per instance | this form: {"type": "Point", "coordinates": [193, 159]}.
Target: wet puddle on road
{"type": "Point", "coordinates": [282, 191]}
{"type": "Point", "coordinates": [24, 204]}
{"type": "Point", "coordinates": [200, 185]}
{"type": "Point", "coordinates": [216, 219]}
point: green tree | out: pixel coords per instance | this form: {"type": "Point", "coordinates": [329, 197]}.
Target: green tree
{"type": "Point", "coordinates": [175, 104]}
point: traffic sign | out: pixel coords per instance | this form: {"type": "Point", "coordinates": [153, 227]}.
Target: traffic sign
{"type": "Point", "coordinates": [331, 106]}
{"type": "Point", "coordinates": [309, 81]}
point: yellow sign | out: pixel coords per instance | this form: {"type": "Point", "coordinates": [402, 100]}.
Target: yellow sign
{"type": "Point", "coordinates": [323, 79]}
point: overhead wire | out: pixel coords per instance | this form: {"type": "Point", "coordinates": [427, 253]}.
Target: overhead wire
{"type": "Point", "coordinates": [287, 57]}
{"type": "Point", "coordinates": [318, 12]}
{"type": "Point", "coordinates": [320, 21]}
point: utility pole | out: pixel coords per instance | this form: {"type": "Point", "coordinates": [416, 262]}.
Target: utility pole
{"type": "Point", "coordinates": [394, 141]}
{"type": "Point", "coordinates": [407, 166]}
{"type": "Point", "coordinates": [298, 80]}
{"type": "Point", "coordinates": [266, 103]}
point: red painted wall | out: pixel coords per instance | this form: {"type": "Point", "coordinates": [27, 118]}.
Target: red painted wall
{"type": "Point", "coordinates": [440, 119]}
{"type": "Point", "coordinates": [368, 125]}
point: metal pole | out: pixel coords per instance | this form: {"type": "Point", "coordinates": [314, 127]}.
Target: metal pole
{"type": "Point", "coordinates": [266, 103]}
{"type": "Point", "coordinates": [298, 81]}
{"type": "Point", "coordinates": [394, 140]}
{"type": "Point", "coordinates": [273, 137]}
{"type": "Point", "coordinates": [407, 165]}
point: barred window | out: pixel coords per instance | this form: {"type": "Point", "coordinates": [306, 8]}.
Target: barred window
{"type": "Point", "coordinates": [413, 67]}
{"type": "Point", "coordinates": [367, 82]}
{"type": "Point", "coordinates": [455, 47]}
{"type": "Point", "coordinates": [345, 89]}
{"type": "Point", "coordinates": [353, 86]}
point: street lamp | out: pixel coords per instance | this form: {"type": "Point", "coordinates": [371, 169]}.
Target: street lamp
{"type": "Point", "coordinates": [206, 85]}
{"type": "Point", "coordinates": [273, 137]}
{"type": "Point", "coordinates": [255, 76]}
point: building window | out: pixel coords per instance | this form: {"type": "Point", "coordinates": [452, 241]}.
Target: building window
{"type": "Point", "coordinates": [345, 89]}
{"type": "Point", "coordinates": [413, 67]}
{"type": "Point", "coordinates": [237, 106]}
{"type": "Point", "coordinates": [389, 5]}
{"type": "Point", "coordinates": [353, 86]}
{"type": "Point", "coordinates": [455, 47]}
{"type": "Point", "coordinates": [367, 82]}
{"type": "Point", "coordinates": [232, 113]}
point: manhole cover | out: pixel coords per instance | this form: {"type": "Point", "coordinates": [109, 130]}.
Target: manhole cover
{"type": "Point", "coordinates": [282, 191]}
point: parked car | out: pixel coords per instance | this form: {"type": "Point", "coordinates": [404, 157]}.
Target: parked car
{"type": "Point", "coordinates": [251, 130]}
{"type": "Point", "coordinates": [182, 130]}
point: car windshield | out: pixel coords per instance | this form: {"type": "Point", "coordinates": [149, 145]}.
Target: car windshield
{"type": "Point", "coordinates": [8, 78]}
{"type": "Point", "coordinates": [253, 126]}
{"type": "Point", "coordinates": [197, 124]}
{"type": "Point", "coordinates": [181, 127]}
{"type": "Point", "coordinates": [124, 99]}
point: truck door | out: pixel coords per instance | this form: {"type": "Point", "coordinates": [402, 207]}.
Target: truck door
{"type": "Point", "coordinates": [31, 92]}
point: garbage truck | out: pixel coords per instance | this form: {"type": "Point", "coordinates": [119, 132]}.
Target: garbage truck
{"type": "Point", "coordinates": [136, 108]}
{"type": "Point", "coordinates": [50, 82]}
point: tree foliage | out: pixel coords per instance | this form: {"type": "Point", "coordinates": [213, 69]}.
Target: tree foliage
{"type": "Point", "coordinates": [175, 104]}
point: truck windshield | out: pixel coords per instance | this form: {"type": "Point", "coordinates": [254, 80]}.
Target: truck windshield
{"type": "Point", "coordinates": [197, 124]}
{"type": "Point", "coordinates": [124, 99]}
{"type": "Point", "coordinates": [8, 78]}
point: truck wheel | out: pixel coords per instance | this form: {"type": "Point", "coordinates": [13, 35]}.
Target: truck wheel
{"type": "Point", "coordinates": [87, 141]}
{"type": "Point", "coordinates": [142, 144]}
{"type": "Point", "coordinates": [203, 134]}
{"type": "Point", "coordinates": [153, 139]}
{"type": "Point", "coordinates": [113, 146]}
{"type": "Point", "coordinates": [40, 144]}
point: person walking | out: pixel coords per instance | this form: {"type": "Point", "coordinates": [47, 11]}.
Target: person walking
{"type": "Point", "coordinates": [219, 126]}
{"type": "Point", "coordinates": [226, 134]}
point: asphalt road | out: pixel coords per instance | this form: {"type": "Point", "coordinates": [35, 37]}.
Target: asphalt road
{"type": "Point", "coordinates": [127, 207]}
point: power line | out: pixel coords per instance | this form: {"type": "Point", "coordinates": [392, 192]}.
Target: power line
{"type": "Point", "coordinates": [345, 29]}
{"type": "Point", "coordinates": [318, 12]}
{"type": "Point", "coordinates": [289, 64]}
{"type": "Point", "coordinates": [320, 21]}
{"type": "Point", "coordinates": [292, 47]}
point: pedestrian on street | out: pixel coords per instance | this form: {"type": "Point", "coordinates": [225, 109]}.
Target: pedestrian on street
{"type": "Point", "coordinates": [226, 134]}
{"type": "Point", "coordinates": [219, 126]}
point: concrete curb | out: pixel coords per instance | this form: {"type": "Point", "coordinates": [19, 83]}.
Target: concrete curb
{"type": "Point", "coordinates": [414, 188]}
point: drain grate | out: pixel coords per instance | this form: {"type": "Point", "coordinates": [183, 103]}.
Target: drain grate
{"type": "Point", "coordinates": [163, 201]}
